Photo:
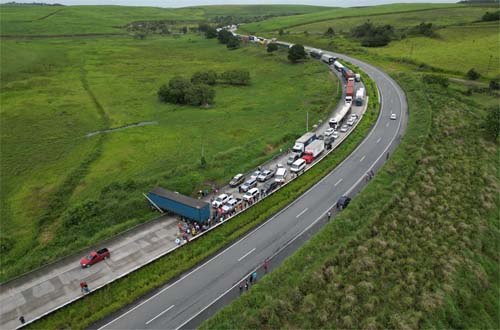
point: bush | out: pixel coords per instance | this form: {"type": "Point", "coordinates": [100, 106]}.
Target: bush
{"type": "Point", "coordinates": [494, 85]}
{"type": "Point", "coordinates": [200, 94]}
{"type": "Point", "coordinates": [330, 32]}
{"type": "Point", "coordinates": [224, 36]}
{"type": "Point", "coordinates": [424, 29]}
{"type": "Point", "coordinates": [492, 122]}
{"type": "Point", "coordinates": [233, 43]}
{"type": "Point", "coordinates": [204, 77]}
{"type": "Point", "coordinates": [435, 79]}
{"type": "Point", "coordinates": [182, 91]}
{"type": "Point", "coordinates": [272, 47]}
{"type": "Point", "coordinates": [210, 33]}
{"type": "Point", "coordinates": [235, 77]}
{"type": "Point", "coordinates": [296, 53]}
{"type": "Point", "coordinates": [490, 17]}
{"type": "Point", "coordinates": [373, 36]}
{"type": "Point", "coordinates": [473, 74]}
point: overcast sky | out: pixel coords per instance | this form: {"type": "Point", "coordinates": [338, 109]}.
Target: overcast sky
{"type": "Point", "coordinates": [185, 3]}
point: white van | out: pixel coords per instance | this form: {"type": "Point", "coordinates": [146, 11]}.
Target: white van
{"type": "Point", "coordinates": [280, 175]}
{"type": "Point", "coordinates": [298, 166]}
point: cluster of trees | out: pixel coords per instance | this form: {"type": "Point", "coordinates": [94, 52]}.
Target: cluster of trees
{"type": "Point", "coordinates": [425, 29]}
{"type": "Point", "coordinates": [490, 17]}
{"type": "Point", "coordinates": [373, 35]}
{"type": "Point", "coordinates": [435, 79]}
{"type": "Point", "coordinates": [297, 53]}
{"type": "Point", "coordinates": [234, 19]}
{"type": "Point", "coordinates": [225, 37]}
{"type": "Point", "coordinates": [142, 29]}
{"type": "Point", "coordinates": [199, 90]}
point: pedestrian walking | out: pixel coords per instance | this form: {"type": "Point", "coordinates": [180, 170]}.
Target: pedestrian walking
{"type": "Point", "coordinates": [266, 265]}
{"type": "Point", "coordinates": [86, 288]}
{"type": "Point", "coordinates": [329, 214]}
{"type": "Point", "coordinates": [21, 319]}
{"type": "Point", "coordinates": [246, 285]}
{"type": "Point", "coordinates": [241, 286]}
{"type": "Point", "coordinates": [82, 286]}
{"type": "Point", "coordinates": [254, 277]}
{"type": "Point", "coordinates": [387, 157]}
{"type": "Point", "coordinates": [250, 278]}
{"type": "Point", "coordinates": [372, 173]}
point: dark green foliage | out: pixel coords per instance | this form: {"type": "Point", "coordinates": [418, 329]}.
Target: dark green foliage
{"type": "Point", "coordinates": [181, 91]}
{"type": "Point", "coordinates": [6, 243]}
{"type": "Point", "coordinates": [435, 79]}
{"type": "Point", "coordinates": [175, 91]}
{"type": "Point", "coordinates": [297, 53]}
{"type": "Point", "coordinates": [492, 122]}
{"type": "Point", "coordinates": [424, 29]}
{"type": "Point", "coordinates": [494, 85]}
{"type": "Point", "coordinates": [235, 77]}
{"type": "Point", "coordinates": [373, 35]}
{"type": "Point", "coordinates": [224, 36]}
{"type": "Point", "coordinates": [489, 17]}
{"type": "Point", "coordinates": [204, 77]}
{"type": "Point", "coordinates": [200, 94]}
{"type": "Point", "coordinates": [203, 27]}
{"type": "Point", "coordinates": [472, 74]}
{"type": "Point", "coordinates": [281, 32]}
{"type": "Point", "coordinates": [272, 47]}
{"type": "Point", "coordinates": [203, 162]}
{"type": "Point", "coordinates": [233, 43]}
{"type": "Point", "coordinates": [330, 32]}
{"type": "Point", "coordinates": [211, 33]}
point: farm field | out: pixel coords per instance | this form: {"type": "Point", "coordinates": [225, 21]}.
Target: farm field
{"type": "Point", "coordinates": [57, 183]}
{"type": "Point", "coordinates": [419, 247]}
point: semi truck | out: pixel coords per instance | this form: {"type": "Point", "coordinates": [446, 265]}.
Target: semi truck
{"type": "Point", "coordinates": [337, 118]}
{"type": "Point", "coordinates": [315, 53]}
{"type": "Point", "coordinates": [176, 203]}
{"type": "Point", "coordinates": [313, 150]}
{"type": "Point", "coordinates": [328, 59]}
{"type": "Point", "coordinates": [303, 142]}
{"type": "Point", "coordinates": [347, 73]}
{"type": "Point", "coordinates": [360, 94]}
{"type": "Point", "coordinates": [349, 91]}
{"type": "Point", "coordinates": [338, 66]}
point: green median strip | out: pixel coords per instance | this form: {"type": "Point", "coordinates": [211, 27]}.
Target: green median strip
{"type": "Point", "coordinates": [122, 292]}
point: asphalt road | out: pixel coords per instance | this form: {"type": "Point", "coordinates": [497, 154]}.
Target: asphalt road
{"type": "Point", "coordinates": [184, 303]}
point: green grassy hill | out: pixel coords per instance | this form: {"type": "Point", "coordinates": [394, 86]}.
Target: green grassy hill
{"type": "Point", "coordinates": [56, 182]}
{"type": "Point", "coordinates": [419, 247]}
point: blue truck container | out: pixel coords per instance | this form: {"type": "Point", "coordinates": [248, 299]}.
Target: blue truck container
{"type": "Point", "coordinates": [185, 206]}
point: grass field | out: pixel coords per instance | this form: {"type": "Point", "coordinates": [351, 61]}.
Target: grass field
{"type": "Point", "coordinates": [419, 247]}
{"type": "Point", "coordinates": [55, 91]}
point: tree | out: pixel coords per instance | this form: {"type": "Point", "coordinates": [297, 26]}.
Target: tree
{"type": "Point", "coordinates": [494, 85]}
{"type": "Point", "coordinates": [329, 33]}
{"type": "Point", "coordinates": [200, 94]}
{"type": "Point", "coordinates": [233, 43]}
{"type": "Point", "coordinates": [175, 91]}
{"type": "Point", "coordinates": [489, 17]}
{"type": "Point", "coordinates": [281, 32]}
{"type": "Point", "coordinates": [224, 36]}
{"type": "Point", "coordinates": [473, 74]}
{"type": "Point", "coordinates": [272, 47]}
{"type": "Point", "coordinates": [184, 29]}
{"type": "Point", "coordinates": [296, 53]}
{"type": "Point", "coordinates": [492, 122]}
{"type": "Point", "coordinates": [211, 33]}
{"type": "Point", "coordinates": [204, 77]}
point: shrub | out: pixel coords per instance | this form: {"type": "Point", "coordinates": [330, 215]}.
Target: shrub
{"type": "Point", "coordinates": [233, 43]}
{"type": "Point", "coordinates": [272, 47]}
{"type": "Point", "coordinates": [210, 33]}
{"type": "Point", "coordinates": [236, 77]}
{"type": "Point", "coordinates": [224, 36]}
{"type": "Point", "coordinates": [473, 74]}
{"type": "Point", "coordinates": [296, 53]}
{"type": "Point", "coordinates": [372, 35]}
{"type": "Point", "coordinates": [435, 79]}
{"type": "Point", "coordinates": [489, 17]}
{"type": "Point", "coordinates": [204, 77]}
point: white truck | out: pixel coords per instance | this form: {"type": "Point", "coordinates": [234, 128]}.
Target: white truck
{"type": "Point", "coordinates": [328, 59]}
{"type": "Point", "coordinates": [360, 94]}
{"type": "Point", "coordinates": [312, 151]}
{"type": "Point", "coordinates": [338, 66]}
{"type": "Point", "coordinates": [303, 142]}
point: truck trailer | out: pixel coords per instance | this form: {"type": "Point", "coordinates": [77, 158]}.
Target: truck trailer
{"type": "Point", "coordinates": [328, 59]}
{"type": "Point", "coordinates": [338, 66]}
{"type": "Point", "coordinates": [347, 73]}
{"type": "Point", "coordinates": [185, 206]}
{"type": "Point", "coordinates": [315, 53]}
{"type": "Point", "coordinates": [312, 151]}
{"type": "Point", "coordinates": [303, 142]}
{"type": "Point", "coordinates": [360, 94]}
{"type": "Point", "coordinates": [349, 91]}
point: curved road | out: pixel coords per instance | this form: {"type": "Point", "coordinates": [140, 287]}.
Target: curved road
{"type": "Point", "coordinates": [190, 299]}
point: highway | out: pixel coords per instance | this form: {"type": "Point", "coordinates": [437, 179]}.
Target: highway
{"type": "Point", "coordinates": [181, 304]}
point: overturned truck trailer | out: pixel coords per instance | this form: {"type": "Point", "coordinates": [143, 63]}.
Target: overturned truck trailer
{"type": "Point", "coordinates": [176, 203]}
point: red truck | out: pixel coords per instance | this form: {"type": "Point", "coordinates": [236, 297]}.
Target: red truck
{"type": "Point", "coordinates": [94, 257]}
{"type": "Point", "coordinates": [349, 91]}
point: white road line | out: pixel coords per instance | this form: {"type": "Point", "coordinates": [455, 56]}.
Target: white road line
{"type": "Point", "coordinates": [246, 254]}
{"type": "Point", "coordinates": [378, 140]}
{"type": "Point", "coordinates": [305, 210]}
{"type": "Point", "coordinates": [157, 316]}
{"type": "Point", "coordinates": [338, 182]}
{"type": "Point", "coordinates": [362, 158]}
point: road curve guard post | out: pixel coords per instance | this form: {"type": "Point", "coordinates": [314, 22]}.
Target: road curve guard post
{"type": "Point", "coordinates": [185, 206]}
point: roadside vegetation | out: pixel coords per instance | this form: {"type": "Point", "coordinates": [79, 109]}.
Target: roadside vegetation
{"type": "Point", "coordinates": [419, 247]}
{"type": "Point", "coordinates": [118, 294]}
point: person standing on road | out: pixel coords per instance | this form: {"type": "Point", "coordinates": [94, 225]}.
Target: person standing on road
{"type": "Point", "coordinates": [82, 286]}
{"type": "Point", "coordinates": [254, 277]}
{"type": "Point", "coordinates": [246, 285]}
{"type": "Point", "coordinates": [266, 265]}
{"type": "Point", "coordinates": [21, 319]}
{"type": "Point", "coordinates": [241, 286]}
{"type": "Point", "coordinates": [250, 279]}
{"type": "Point", "coordinates": [329, 214]}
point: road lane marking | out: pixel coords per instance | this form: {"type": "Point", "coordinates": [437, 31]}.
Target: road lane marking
{"type": "Point", "coordinates": [246, 254]}
{"type": "Point", "coordinates": [157, 316]}
{"type": "Point", "coordinates": [305, 210]}
{"type": "Point", "coordinates": [378, 140]}
{"type": "Point", "coordinates": [338, 182]}
{"type": "Point", "coordinates": [362, 158]}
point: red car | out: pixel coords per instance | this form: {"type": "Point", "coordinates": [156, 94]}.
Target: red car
{"type": "Point", "coordinates": [94, 257]}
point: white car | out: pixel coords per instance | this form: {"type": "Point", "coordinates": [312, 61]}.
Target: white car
{"type": "Point", "coordinates": [354, 116]}
{"type": "Point", "coordinates": [393, 116]}
{"type": "Point", "coordinates": [255, 175]}
{"type": "Point", "coordinates": [335, 135]}
{"type": "Point", "coordinates": [220, 200]}
{"type": "Point", "coordinates": [329, 132]}
{"type": "Point", "coordinates": [344, 128]}
{"type": "Point", "coordinates": [351, 121]}
{"type": "Point", "coordinates": [252, 193]}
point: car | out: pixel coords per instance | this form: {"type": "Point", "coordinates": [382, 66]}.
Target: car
{"type": "Point", "coordinates": [393, 116]}
{"type": "Point", "coordinates": [353, 116]}
{"type": "Point", "coordinates": [351, 121]}
{"type": "Point", "coordinates": [250, 194]}
{"type": "Point", "coordinates": [281, 174]}
{"type": "Point", "coordinates": [270, 186]}
{"type": "Point", "coordinates": [220, 200]}
{"type": "Point", "coordinates": [293, 157]}
{"type": "Point", "coordinates": [237, 180]}
{"type": "Point", "coordinates": [335, 135]}
{"type": "Point", "coordinates": [329, 132]}
{"type": "Point", "coordinates": [255, 174]}
{"type": "Point", "coordinates": [343, 202]}
{"type": "Point", "coordinates": [265, 175]}
{"type": "Point", "coordinates": [231, 205]}
{"type": "Point", "coordinates": [344, 128]}
{"type": "Point", "coordinates": [298, 166]}
{"type": "Point", "coordinates": [94, 257]}
{"type": "Point", "coordinates": [250, 183]}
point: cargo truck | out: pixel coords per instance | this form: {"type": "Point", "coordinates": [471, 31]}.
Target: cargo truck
{"type": "Point", "coordinates": [176, 203]}
{"type": "Point", "coordinates": [313, 150]}
{"type": "Point", "coordinates": [315, 53]}
{"type": "Point", "coordinates": [328, 59]}
{"type": "Point", "coordinates": [303, 142]}
{"type": "Point", "coordinates": [338, 66]}
{"type": "Point", "coordinates": [360, 94]}
{"type": "Point", "coordinates": [347, 73]}
{"type": "Point", "coordinates": [349, 91]}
